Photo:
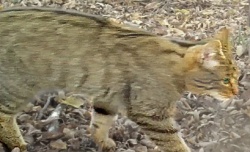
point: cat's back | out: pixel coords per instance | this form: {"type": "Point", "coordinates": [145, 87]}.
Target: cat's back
{"type": "Point", "coordinates": [45, 44]}
{"type": "Point", "coordinates": [46, 48]}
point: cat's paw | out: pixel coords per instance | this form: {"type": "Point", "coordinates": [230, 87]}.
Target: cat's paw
{"type": "Point", "coordinates": [23, 147]}
{"type": "Point", "coordinates": [107, 146]}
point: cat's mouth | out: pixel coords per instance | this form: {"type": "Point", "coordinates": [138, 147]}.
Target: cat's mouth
{"type": "Point", "coordinates": [220, 97]}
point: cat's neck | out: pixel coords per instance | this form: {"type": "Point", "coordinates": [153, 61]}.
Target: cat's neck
{"type": "Point", "coordinates": [181, 59]}
{"type": "Point", "coordinates": [189, 60]}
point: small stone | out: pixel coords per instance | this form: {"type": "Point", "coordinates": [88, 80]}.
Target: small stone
{"type": "Point", "coordinates": [16, 149]}
{"type": "Point", "coordinates": [58, 144]}
{"type": "Point", "coordinates": [141, 149]}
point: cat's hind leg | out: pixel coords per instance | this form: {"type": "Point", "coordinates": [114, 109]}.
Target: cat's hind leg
{"type": "Point", "coordinates": [10, 133]}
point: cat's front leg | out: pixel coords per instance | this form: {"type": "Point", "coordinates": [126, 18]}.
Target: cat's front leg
{"type": "Point", "coordinates": [99, 129]}
{"type": "Point", "coordinates": [107, 104]}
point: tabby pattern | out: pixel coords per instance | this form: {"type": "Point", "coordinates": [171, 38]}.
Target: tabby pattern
{"type": "Point", "coordinates": [126, 70]}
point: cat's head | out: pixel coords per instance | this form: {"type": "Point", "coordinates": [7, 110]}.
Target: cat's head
{"type": "Point", "coordinates": [210, 68]}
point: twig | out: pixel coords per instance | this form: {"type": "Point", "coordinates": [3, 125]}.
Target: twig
{"type": "Point", "coordinates": [156, 10]}
{"type": "Point", "coordinates": [39, 117]}
{"type": "Point", "coordinates": [59, 95]}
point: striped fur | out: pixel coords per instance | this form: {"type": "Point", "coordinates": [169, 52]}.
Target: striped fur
{"type": "Point", "coordinates": [125, 70]}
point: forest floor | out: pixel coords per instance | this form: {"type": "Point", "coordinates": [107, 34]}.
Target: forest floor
{"type": "Point", "coordinates": [207, 125]}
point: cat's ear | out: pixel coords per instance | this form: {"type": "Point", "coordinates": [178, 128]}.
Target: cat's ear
{"type": "Point", "coordinates": [223, 35]}
{"type": "Point", "coordinates": [209, 54]}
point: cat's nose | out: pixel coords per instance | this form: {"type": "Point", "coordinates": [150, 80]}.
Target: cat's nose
{"type": "Point", "coordinates": [235, 86]}
{"type": "Point", "coordinates": [235, 90]}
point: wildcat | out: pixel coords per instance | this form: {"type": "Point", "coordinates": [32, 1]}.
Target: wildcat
{"type": "Point", "coordinates": [127, 70]}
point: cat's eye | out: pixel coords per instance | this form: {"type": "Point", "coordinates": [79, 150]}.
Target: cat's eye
{"type": "Point", "coordinates": [226, 81]}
